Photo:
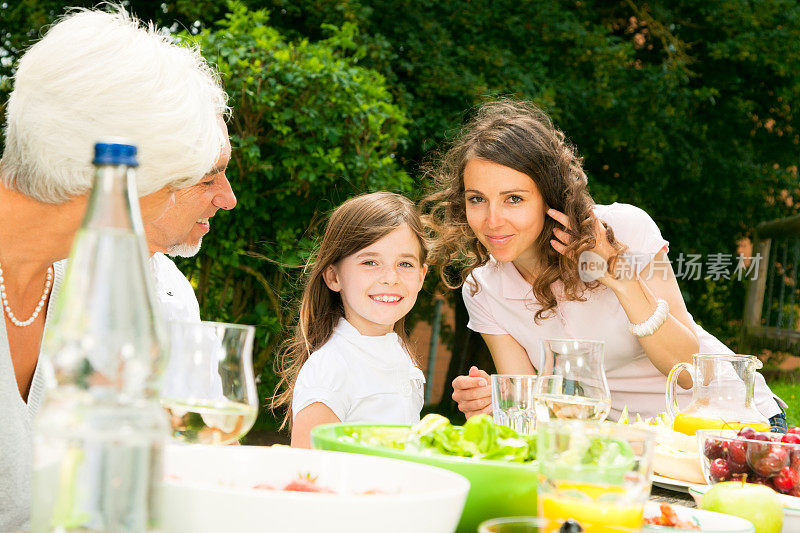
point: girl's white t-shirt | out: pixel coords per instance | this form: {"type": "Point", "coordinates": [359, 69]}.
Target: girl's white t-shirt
{"type": "Point", "coordinates": [504, 305]}
{"type": "Point", "coordinates": [362, 379]}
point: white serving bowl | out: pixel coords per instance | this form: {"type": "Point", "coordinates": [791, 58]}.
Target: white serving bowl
{"type": "Point", "coordinates": [209, 489]}
{"type": "Point", "coordinates": [791, 507]}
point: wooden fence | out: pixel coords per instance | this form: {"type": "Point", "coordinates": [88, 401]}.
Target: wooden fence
{"type": "Point", "coordinates": [772, 305]}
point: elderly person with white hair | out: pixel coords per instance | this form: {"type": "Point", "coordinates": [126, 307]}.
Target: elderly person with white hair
{"type": "Point", "coordinates": [180, 233]}
{"type": "Point", "coordinates": [93, 75]}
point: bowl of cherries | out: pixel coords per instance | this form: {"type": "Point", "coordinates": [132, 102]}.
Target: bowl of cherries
{"type": "Point", "coordinates": [771, 459]}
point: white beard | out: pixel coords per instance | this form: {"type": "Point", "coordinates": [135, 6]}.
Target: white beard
{"type": "Point", "coordinates": [184, 250]}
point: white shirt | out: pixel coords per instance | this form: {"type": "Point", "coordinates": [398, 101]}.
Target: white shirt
{"type": "Point", "coordinates": [362, 379]}
{"type": "Point", "coordinates": [505, 305]}
{"type": "Point", "coordinates": [174, 294]}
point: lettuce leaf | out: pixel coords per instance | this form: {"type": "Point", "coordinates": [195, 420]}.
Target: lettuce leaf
{"type": "Point", "coordinates": [479, 438]}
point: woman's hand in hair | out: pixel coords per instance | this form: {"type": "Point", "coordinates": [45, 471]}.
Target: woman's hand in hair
{"type": "Point", "coordinates": [564, 238]}
{"type": "Point", "coordinates": [473, 393]}
{"type": "Point", "coordinates": [593, 265]}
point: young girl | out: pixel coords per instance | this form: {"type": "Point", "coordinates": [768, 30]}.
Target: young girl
{"type": "Point", "coordinates": [349, 360]}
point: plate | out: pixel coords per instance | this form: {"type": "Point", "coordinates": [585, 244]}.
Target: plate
{"type": "Point", "coordinates": [708, 521]}
{"type": "Point", "coordinates": [676, 485]}
{"type": "Point", "coordinates": [791, 507]}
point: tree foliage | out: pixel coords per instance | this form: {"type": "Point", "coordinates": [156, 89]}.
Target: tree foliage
{"type": "Point", "coordinates": [682, 108]}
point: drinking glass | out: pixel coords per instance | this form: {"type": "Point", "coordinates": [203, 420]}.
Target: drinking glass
{"type": "Point", "coordinates": [208, 388]}
{"type": "Point", "coordinates": [512, 524]}
{"type": "Point", "coordinates": [532, 524]}
{"type": "Point", "coordinates": [512, 401]}
{"type": "Point", "coordinates": [572, 381]}
{"type": "Point", "coordinates": [597, 473]}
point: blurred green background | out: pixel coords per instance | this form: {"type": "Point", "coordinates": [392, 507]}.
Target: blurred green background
{"type": "Point", "coordinates": [680, 107]}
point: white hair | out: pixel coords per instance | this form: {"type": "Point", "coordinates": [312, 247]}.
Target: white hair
{"type": "Point", "coordinates": [96, 75]}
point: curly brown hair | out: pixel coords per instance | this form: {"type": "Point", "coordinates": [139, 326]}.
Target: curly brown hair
{"type": "Point", "coordinates": [357, 223]}
{"type": "Point", "coordinates": [518, 135]}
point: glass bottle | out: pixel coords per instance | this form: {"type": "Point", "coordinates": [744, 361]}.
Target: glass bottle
{"type": "Point", "coordinates": [99, 436]}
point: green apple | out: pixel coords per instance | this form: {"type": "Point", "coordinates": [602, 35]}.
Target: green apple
{"type": "Point", "coordinates": [756, 503]}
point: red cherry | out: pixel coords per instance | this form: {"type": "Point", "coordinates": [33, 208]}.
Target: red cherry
{"type": "Point", "coordinates": [769, 464]}
{"type": "Point", "coordinates": [794, 460]}
{"type": "Point", "coordinates": [737, 451]}
{"type": "Point", "coordinates": [747, 432]}
{"type": "Point", "coordinates": [714, 449]}
{"type": "Point", "coordinates": [737, 468]}
{"type": "Point", "coordinates": [719, 469]}
{"type": "Point", "coordinates": [756, 446]}
{"type": "Point", "coordinates": [791, 438]}
{"type": "Point", "coordinates": [786, 479]}
{"type": "Point", "coordinates": [780, 451]}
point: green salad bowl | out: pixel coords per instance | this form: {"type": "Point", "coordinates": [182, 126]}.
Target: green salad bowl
{"type": "Point", "coordinates": [497, 488]}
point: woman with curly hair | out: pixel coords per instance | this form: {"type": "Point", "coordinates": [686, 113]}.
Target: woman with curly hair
{"type": "Point", "coordinates": [511, 211]}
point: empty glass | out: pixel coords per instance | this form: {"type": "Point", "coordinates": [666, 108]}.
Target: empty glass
{"type": "Point", "coordinates": [208, 388]}
{"type": "Point", "coordinates": [572, 381]}
{"type": "Point", "coordinates": [512, 401]}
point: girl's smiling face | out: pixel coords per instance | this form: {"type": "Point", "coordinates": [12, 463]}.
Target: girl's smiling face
{"type": "Point", "coordinates": [379, 284]}
{"type": "Point", "coordinates": [505, 210]}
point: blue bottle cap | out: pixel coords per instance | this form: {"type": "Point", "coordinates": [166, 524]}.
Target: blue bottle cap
{"type": "Point", "coordinates": [111, 153]}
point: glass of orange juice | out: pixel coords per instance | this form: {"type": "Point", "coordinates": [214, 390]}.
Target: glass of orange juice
{"type": "Point", "coordinates": [596, 473]}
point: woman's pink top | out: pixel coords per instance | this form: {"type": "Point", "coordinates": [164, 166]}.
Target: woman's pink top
{"type": "Point", "coordinates": [504, 305]}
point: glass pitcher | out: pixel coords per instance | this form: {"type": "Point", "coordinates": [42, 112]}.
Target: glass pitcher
{"type": "Point", "coordinates": [722, 394]}
{"type": "Point", "coordinates": [572, 381]}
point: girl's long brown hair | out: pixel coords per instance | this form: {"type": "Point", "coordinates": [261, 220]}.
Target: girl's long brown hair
{"type": "Point", "coordinates": [520, 136]}
{"type": "Point", "coordinates": [354, 225]}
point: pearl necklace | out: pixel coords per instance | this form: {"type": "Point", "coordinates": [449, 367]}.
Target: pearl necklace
{"type": "Point", "coordinates": [22, 323]}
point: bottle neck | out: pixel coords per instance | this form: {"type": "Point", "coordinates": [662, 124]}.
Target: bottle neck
{"type": "Point", "coordinates": [113, 202]}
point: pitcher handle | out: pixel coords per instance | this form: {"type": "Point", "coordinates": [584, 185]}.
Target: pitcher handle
{"type": "Point", "coordinates": [672, 383]}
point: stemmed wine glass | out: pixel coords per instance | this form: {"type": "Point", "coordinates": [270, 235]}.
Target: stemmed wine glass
{"type": "Point", "coordinates": [572, 382]}
{"type": "Point", "coordinates": [208, 388]}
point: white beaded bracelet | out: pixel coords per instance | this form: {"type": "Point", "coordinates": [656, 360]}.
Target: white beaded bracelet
{"type": "Point", "coordinates": [651, 325]}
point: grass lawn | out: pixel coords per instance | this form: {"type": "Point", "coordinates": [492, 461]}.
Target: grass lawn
{"type": "Point", "coordinates": [789, 392]}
